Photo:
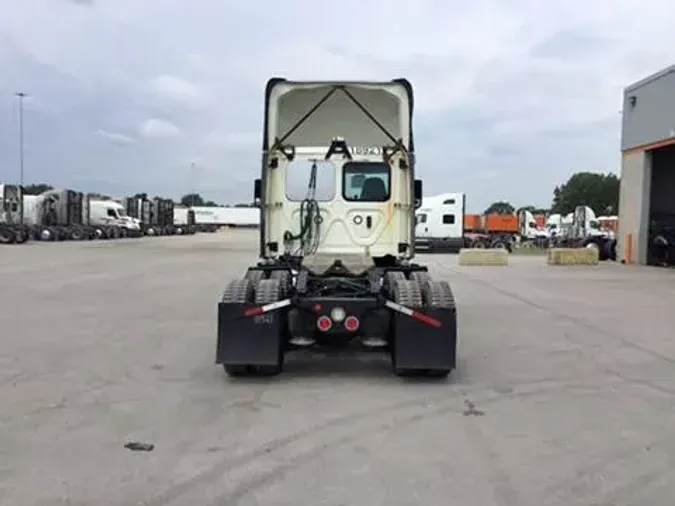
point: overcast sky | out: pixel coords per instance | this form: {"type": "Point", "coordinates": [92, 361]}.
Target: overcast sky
{"type": "Point", "coordinates": [513, 96]}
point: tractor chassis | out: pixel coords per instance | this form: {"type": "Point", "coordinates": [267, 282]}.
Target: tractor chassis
{"type": "Point", "coordinates": [413, 316]}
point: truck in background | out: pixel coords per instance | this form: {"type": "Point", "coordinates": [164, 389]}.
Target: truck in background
{"type": "Point", "coordinates": [156, 216]}
{"type": "Point", "coordinates": [210, 219]}
{"type": "Point", "coordinates": [62, 214]}
{"type": "Point", "coordinates": [504, 230]}
{"type": "Point", "coordinates": [184, 220]}
{"type": "Point", "coordinates": [12, 229]}
{"type": "Point", "coordinates": [582, 229]}
{"type": "Point", "coordinates": [55, 215]}
{"type": "Point", "coordinates": [108, 219]}
{"type": "Point", "coordinates": [439, 223]}
{"type": "Point", "coordinates": [144, 213]}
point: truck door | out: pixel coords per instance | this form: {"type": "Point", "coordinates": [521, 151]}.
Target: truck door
{"type": "Point", "coordinates": [421, 224]}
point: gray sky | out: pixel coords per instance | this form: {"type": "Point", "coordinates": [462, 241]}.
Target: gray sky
{"type": "Point", "coordinates": [512, 96]}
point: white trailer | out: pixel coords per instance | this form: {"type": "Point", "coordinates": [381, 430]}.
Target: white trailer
{"type": "Point", "coordinates": [212, 218]}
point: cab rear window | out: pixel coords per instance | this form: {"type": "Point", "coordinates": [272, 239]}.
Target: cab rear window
{"type": "Point", "coordinates": [366, 181]}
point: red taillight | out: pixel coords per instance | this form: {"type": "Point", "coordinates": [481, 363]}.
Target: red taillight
{"type": "Point", "coordinates": [352, 323]}
{"type": "Point", "coordinates": [324, 323]}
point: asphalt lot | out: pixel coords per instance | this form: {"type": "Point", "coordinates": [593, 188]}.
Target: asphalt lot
{"type": "Point", "coordinates": [564, 393]}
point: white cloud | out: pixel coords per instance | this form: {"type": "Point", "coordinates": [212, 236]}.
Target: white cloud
{"type": "Point", "coordinates": [511, 95]}
{"type": "Point", "coordinates": [233, 140]}
{"type": "Point", "coordinates": [116, 138]}
{"type": "Point", "coordinates": [175, 88]}
{"type": "Point", "coordinates": [158, 129]}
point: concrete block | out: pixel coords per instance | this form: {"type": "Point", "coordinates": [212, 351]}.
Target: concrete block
{"type": "Point", "coordinates": [573, 256]}
{"type": "Point", "coordinates": [483, 257]}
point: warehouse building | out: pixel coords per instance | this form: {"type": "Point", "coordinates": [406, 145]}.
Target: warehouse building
{"type": "Point", "coordinates": [647, 197]}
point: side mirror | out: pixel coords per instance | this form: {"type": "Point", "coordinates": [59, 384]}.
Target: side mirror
{"type": "Point", "coordinates": [257, 192]}
{"type": "Point", "coordinates": [417, 192]}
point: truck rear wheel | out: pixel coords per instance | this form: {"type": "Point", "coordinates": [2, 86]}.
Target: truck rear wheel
{"type": "Point", "coordinates": [243, 291]}
{"type": "Point", "coordinates": [429, 294]}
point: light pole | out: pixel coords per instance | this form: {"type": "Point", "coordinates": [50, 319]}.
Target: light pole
{"type": "Point", "coordinates": [192, 183]}
{"type": "Point", "coordinates": [21, 95]}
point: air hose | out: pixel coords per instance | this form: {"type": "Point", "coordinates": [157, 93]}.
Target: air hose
{"type": "Point", "coordinates": [310, 220]}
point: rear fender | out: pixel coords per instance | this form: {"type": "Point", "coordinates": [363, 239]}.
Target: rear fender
{"type": "Point", "coordinates": [249, 340]}
{"type": "Point", "coordinates": [418, 345]}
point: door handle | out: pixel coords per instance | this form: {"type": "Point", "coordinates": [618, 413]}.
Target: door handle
{"type": "Point", "coordinates": [369, 221]}
{"type": "Point", "coordinates": [426, 229]}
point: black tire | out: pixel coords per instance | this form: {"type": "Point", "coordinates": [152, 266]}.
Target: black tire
{"type": "Point", "coordinates": [7, 235]}
{"type": "Point", "coordinates": [76, 234]}
{"type": "Point", "coordinates": [285, 280]}
{"type": "Point", "coordinates": [420, 276]}
{"type": "Point", "coordinates": [498, 243]}
{"type": "Point", "coordinates": [21, 236]}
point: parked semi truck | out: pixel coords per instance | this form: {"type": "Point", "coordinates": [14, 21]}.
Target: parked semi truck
{"type": "Point", "coordinates": [184, 220]}
{"type": "Point", "coordinates": [582, 229]}
{"type": "Point", "coordinates": [439, 223]}
{"type": "Point", "coordinates": [109, 220]}
{"type": "Point", "coordinates": [442, 226]}
{"type": "Point", "coordinates": [58, 215]}
{"type": "Point", "coordinates": [337, 270]}
{"type": "Point", "coordinates": [12, 228]}
{"type": "Point", "coordinates": [153, 216]}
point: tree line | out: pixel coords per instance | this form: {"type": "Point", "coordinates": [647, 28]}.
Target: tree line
{"type": "Point", "coordinates": [600, 192]}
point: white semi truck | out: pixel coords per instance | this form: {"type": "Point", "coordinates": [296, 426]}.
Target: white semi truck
{"type": "Point", "coordinates": [439, 223]}
{"type": "Point", "coordinates": [12, 229]}
{"type": "Point", "coordinates": [581, 229]}
{"type": "Point", "coordinates": [70, 215]}
{"type": "Point", "coordinates": [439, 227]}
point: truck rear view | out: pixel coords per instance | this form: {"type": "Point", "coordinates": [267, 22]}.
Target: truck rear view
{"type": "Point", "coordinates": [337, 195]}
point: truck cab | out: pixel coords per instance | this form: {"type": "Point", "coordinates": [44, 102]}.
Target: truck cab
{"type": "Point", "coordinates": [11, 215]}
{"type": "Point", "coordinates": [439, 223]}
{"type": "Point", "coordinates": [335, 184]}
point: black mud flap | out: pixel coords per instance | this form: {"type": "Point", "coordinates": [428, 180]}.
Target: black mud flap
{"type": "Point", "coordinates": [419, 345]}
{"type": "Point", "coordinates": [248, 340]}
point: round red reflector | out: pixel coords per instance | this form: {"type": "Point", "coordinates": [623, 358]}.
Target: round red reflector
{"type": "Point", "coordinates": [352, 323]}
{"type": "Point", "coordinates": [324, 323]}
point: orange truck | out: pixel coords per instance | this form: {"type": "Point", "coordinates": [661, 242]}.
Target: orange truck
{"type": "Point", "coordinates": [501, 230]}
{"type": "Point", "coordinates": [491, 223]}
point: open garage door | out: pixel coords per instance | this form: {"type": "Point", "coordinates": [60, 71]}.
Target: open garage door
{"type": "Point", "coordinates": [661, 249]}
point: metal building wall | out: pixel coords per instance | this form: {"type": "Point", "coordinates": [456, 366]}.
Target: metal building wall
{"type": "Point", "coordinates": [649, 110]}
{"type": "Point", "coordinates": [636, 176]}
{"type": "Point", "coordinates": [648, 122]}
